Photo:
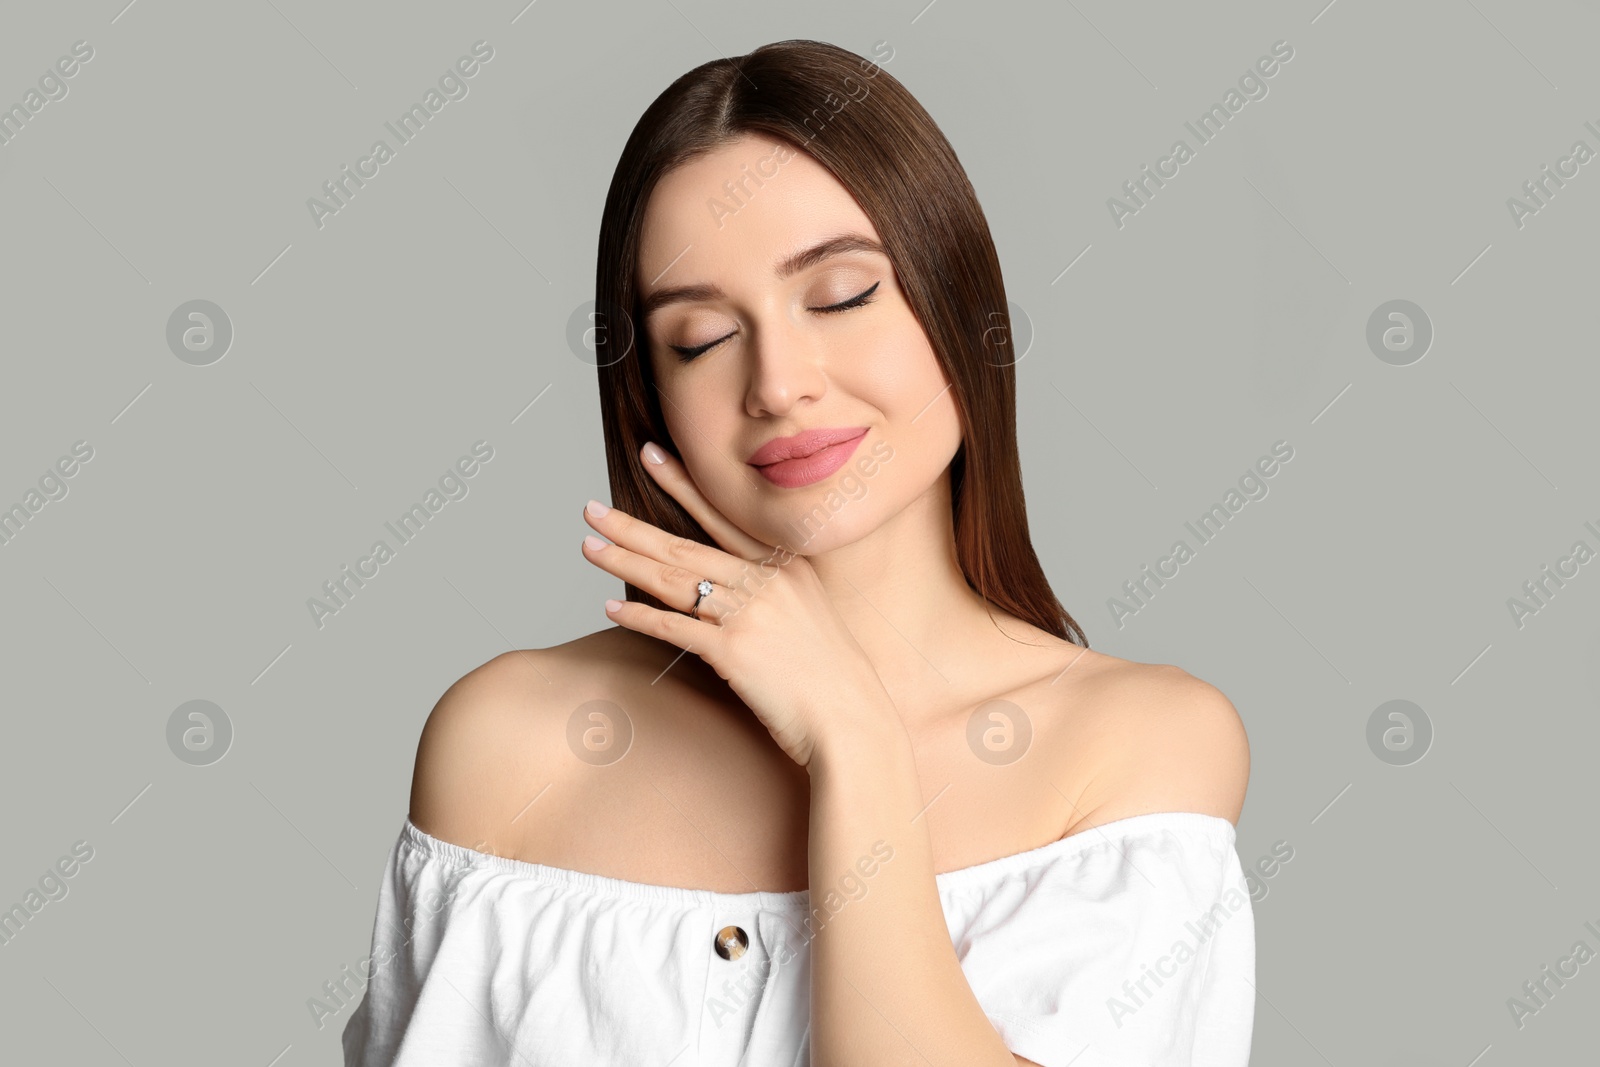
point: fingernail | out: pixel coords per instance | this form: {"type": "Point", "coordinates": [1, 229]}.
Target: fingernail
{"type": "Point", "coordinates": [613, 605]}
{"type": "Point", "coordinates": [593, 543]}
{"type": "Point", "coordinates": [597, 509]}
{"type": "Point", "coordinates": [653, 453]}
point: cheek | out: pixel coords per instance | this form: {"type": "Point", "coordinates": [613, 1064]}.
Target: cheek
{"type": "Point", "coordinates": [903, 372]}
{"type": "Point", "coordinates": [919, 390]}
{"type": "Point", "coordinates": [703, 441]}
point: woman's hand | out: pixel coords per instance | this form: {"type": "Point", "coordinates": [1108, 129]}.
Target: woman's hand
{"type": "Point", "coordinates": [768, 628]}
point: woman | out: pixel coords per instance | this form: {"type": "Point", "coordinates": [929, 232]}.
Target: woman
{"type": "Point", "coordinates": [843, 780]}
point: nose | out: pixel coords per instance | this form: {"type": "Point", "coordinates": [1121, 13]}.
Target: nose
{"type": "Point", "coordinates": [785, 369]}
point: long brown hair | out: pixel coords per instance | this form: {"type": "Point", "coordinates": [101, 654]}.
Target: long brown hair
{"type": "Point", "coordinates": [856, 120]}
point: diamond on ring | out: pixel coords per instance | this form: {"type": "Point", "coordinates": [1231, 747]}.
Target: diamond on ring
{"type": "Point", "coordinates": [705, 587]}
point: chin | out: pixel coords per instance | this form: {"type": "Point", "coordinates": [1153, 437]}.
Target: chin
{"type": "Point", "coordinates": [826, 522]}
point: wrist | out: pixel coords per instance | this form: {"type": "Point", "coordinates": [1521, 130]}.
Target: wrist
{"type": "Point", "coordinates": [869, 741]}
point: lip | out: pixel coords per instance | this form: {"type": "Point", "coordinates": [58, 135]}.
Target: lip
{"type": "Point", "coordinates": [806, 457]}
{"type": "Point", "coordinates": [803, 444]}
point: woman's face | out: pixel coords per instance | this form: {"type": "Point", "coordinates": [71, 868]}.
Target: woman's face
{"type": "Point", "coordinates": [743, 352]}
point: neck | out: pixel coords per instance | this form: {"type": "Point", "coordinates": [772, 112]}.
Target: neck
{"type": "Point", "coordinates": [903, 596]}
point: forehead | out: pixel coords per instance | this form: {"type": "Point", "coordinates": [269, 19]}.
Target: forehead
{"type": "Point", "coordinates": [738, 209]}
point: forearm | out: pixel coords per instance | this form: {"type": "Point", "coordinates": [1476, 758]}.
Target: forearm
{"type": "Point", "coordinates": [886, 986]}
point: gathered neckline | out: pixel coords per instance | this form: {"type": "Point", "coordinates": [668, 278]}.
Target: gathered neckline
{"type": "Point", "coordinates": [418, 839]}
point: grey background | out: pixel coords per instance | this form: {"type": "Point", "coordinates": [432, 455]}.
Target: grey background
{"type": "Point", "coordinates": [368, 355]}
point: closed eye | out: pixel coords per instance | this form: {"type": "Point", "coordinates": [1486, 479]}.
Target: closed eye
{"type": "Point", "coordinates": [854, 302]}
{"type": "Point", "coordinates": [859, 300]}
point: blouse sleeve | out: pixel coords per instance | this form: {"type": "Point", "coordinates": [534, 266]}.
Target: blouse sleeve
{"type": "Point", "coordinates": [416, 900]}
{"type": "Point", "coordinates": [475, 962]}
{"type": "Point", "coordinates": [1137, 949]}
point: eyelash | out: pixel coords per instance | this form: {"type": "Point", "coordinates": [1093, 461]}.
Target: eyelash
{"type": "Point", "coordinates": [861, 300]}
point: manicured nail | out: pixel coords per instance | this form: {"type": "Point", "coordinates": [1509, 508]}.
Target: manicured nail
{"type": "Point", "coordinates": [593, 543]}
{"type": "Point", "coordinates": [613, 605]}
{"type": "Point", "coordinates": [653, 453]}
{"type": "Point", "coordinates": [597, 509]}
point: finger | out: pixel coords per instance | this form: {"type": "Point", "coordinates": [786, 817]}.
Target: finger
{"type": "Point", "coordinates": [673, 585]}
{"type": "Point", "coordinates": [647, 539]}
{"type": "Point", "coordinates": [673, 476]}
{"type": "Point", "coordinates": [688, 634]}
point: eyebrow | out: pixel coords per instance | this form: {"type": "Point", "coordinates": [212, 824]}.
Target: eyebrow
{"type": "Point", "coordinates": [843, 244]}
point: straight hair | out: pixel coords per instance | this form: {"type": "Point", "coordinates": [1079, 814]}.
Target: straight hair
{"type": "Point", "coordinates": [871, 134]}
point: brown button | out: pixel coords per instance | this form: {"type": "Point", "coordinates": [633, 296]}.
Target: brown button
{"type": "Point", "coordinates": [731, 942]}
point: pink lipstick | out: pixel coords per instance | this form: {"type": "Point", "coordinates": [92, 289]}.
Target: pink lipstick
{"type": "Point", "coordinates": [791, 462]}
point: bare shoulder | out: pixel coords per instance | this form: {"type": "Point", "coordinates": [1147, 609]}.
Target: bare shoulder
{"type": "Point", "coordinates": [497, 737]}
{"type": "Point", "coordinates": [484, 731]}
{"type": "Point", "coordinates": [1166, 741]}
{"type": "Point", "coordinates": [614, 754]}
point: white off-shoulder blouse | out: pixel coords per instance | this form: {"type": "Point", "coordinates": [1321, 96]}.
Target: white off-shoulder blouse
{"type": "Point", "coordinates": [1132, 943]}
